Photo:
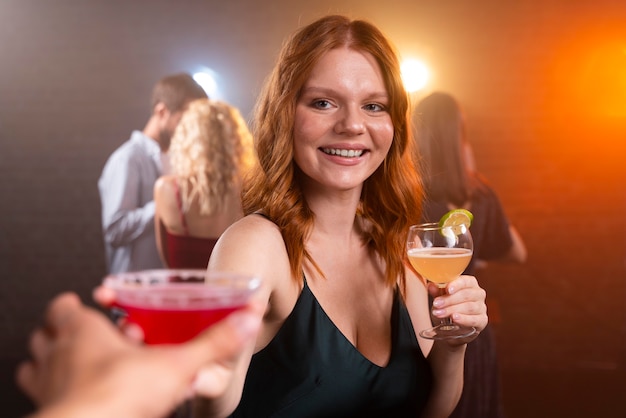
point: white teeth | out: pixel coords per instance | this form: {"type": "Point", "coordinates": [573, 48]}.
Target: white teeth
{"type": "Point", "coordinates": [343, 152]}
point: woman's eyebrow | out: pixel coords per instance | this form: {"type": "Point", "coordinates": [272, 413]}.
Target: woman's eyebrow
{"type": "Point", "coordinates": [379, 95]}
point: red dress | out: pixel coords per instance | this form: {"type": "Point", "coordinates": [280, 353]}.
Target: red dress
{"type": "Point", "coordinates": [185, 251]}
{"type": "Point", "coordinates": [188, 252]}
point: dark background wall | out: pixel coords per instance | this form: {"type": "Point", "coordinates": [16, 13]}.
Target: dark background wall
{"type": "Point", "coordinates": [544, 88]}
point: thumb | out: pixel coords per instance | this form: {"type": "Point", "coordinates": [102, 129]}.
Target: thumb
{"type": "Point", "coordinates": [222, 341]}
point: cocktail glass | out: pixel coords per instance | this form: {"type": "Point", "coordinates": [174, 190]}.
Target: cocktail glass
{"type": "Point", "coordinates": [173, 306]}
{"type": "Point", "coordinates": [440, 255]}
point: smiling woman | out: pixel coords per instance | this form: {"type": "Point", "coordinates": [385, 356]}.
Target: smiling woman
{"type": "Point", "coordinates": [328, 209]}
{"type": "Point", "coordinates": [76, 76]}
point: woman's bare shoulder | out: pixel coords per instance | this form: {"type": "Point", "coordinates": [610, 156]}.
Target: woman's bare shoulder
{"type": "Point", "coordinates": [252, 244]}
{"type": "Point", "coordinates": [164, 185]}
{"type": "Point", "coordinates": [254, 229]}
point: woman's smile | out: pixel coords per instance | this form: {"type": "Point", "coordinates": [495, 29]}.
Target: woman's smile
{"type": "Point", "coordinates": [343, 128]}
{"type": "Point", "coordinates": [346, 153]}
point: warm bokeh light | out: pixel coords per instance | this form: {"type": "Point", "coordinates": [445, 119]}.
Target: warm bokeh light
{"type": "Point", "coordinates": [415, 74]}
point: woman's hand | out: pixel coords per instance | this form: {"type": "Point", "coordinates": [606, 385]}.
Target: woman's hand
{"type": "Point", "coordinates": [464, 303]}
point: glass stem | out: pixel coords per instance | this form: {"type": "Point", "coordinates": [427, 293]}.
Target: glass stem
{"type": "Point", "coordinates": [447, 320]}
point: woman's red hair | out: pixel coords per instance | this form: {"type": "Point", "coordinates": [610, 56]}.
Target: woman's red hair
{"type": "Point", "coordinates": [391, 197]}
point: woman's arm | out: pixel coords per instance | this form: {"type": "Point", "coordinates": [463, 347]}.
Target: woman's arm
{"type": "Point", "coordinates": [517, 253]}
{"type": "Point", "coordinates": [446, 362]}
{"type": "Point", "coordinates": [465, 302]}
{"type": "Point", "coordinates": [160, 196]}
{"type": "Point", "coordinates": [253, 246]}
{"type": "Point", "coordinates": [161, 241]}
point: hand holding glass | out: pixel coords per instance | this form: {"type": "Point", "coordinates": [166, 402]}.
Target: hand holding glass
{"type": "Point", "coordinates": [440, 255]}
{"type": "Point", "coordinates": [173, 306]}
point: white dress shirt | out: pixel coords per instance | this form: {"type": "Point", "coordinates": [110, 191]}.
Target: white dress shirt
{"type": "Point", "coordinates": [126, 195]}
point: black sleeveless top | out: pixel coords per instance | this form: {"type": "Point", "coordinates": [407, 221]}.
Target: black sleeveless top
{"type": "Point", "coordinates": [310, 369]}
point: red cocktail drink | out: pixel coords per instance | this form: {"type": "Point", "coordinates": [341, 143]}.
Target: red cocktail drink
{"type": "Point", "coordinates": [173, 306]}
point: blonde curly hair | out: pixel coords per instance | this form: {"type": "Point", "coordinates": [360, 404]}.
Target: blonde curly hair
{"type": "Point", "coordinates": [211, 150]}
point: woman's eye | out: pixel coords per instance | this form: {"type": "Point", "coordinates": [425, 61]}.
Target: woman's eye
{"type": "Point", "coordinates": [321, 104]}
{"type": "Point", "coordinates": [375, 107]}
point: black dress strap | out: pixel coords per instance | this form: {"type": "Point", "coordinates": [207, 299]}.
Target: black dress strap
{"type": "Point", "coordinates": [263, 215]}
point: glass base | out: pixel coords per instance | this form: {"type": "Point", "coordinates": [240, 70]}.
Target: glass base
{"type": "Point", "coordinates": [447, 331]}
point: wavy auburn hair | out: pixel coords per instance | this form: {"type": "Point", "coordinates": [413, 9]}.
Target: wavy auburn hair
{"type": "Point", "coordinates": [392, 195]}
{"type": "Point", "coordinates": [211, 151]}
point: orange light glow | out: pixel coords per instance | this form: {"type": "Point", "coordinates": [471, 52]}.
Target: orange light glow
{"type": "Point", "coordinates": [592, 77]}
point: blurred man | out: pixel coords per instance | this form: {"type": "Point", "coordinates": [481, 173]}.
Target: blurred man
{"type": "Point", "coordinates": [127, 180]}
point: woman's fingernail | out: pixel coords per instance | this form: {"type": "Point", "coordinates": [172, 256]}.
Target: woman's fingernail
{"type": "Point", "coordinates": [245, 323]}
{"type": "Point", "coordinates": [437, 303]}
{"type": "Point", "coordinates": [438, 312]}
{"type": "Point", "coordinates": [450, 290]}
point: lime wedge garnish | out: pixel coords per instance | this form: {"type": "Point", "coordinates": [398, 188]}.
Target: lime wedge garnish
{"type": "Point", "coordinates": [457, 221]}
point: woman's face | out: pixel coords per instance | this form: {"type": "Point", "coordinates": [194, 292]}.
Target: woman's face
{"type": "Point", "coordinates": [343, 128]}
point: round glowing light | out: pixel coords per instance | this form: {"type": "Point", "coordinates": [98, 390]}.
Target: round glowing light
{"type": "Point", "coordinates": [415, 74]}
{"type": "Point", "coordinates": [207, 82]}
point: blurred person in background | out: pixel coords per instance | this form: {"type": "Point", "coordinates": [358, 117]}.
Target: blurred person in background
{"type": "Point", "coordinates": [451, 181]}
{"type": "Point", "coordinates": [126, 184]}
{"type": "Point", "coordinates": [210, 152]}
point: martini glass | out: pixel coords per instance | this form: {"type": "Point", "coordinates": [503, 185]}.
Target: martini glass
{"type": "Point", "coordinates": [440, 255]}
{"type": "Point", "coordinates": [173, 306]}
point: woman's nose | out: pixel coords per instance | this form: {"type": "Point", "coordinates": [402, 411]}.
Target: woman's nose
{"type": "Point", "coordinates": [351, 122]}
